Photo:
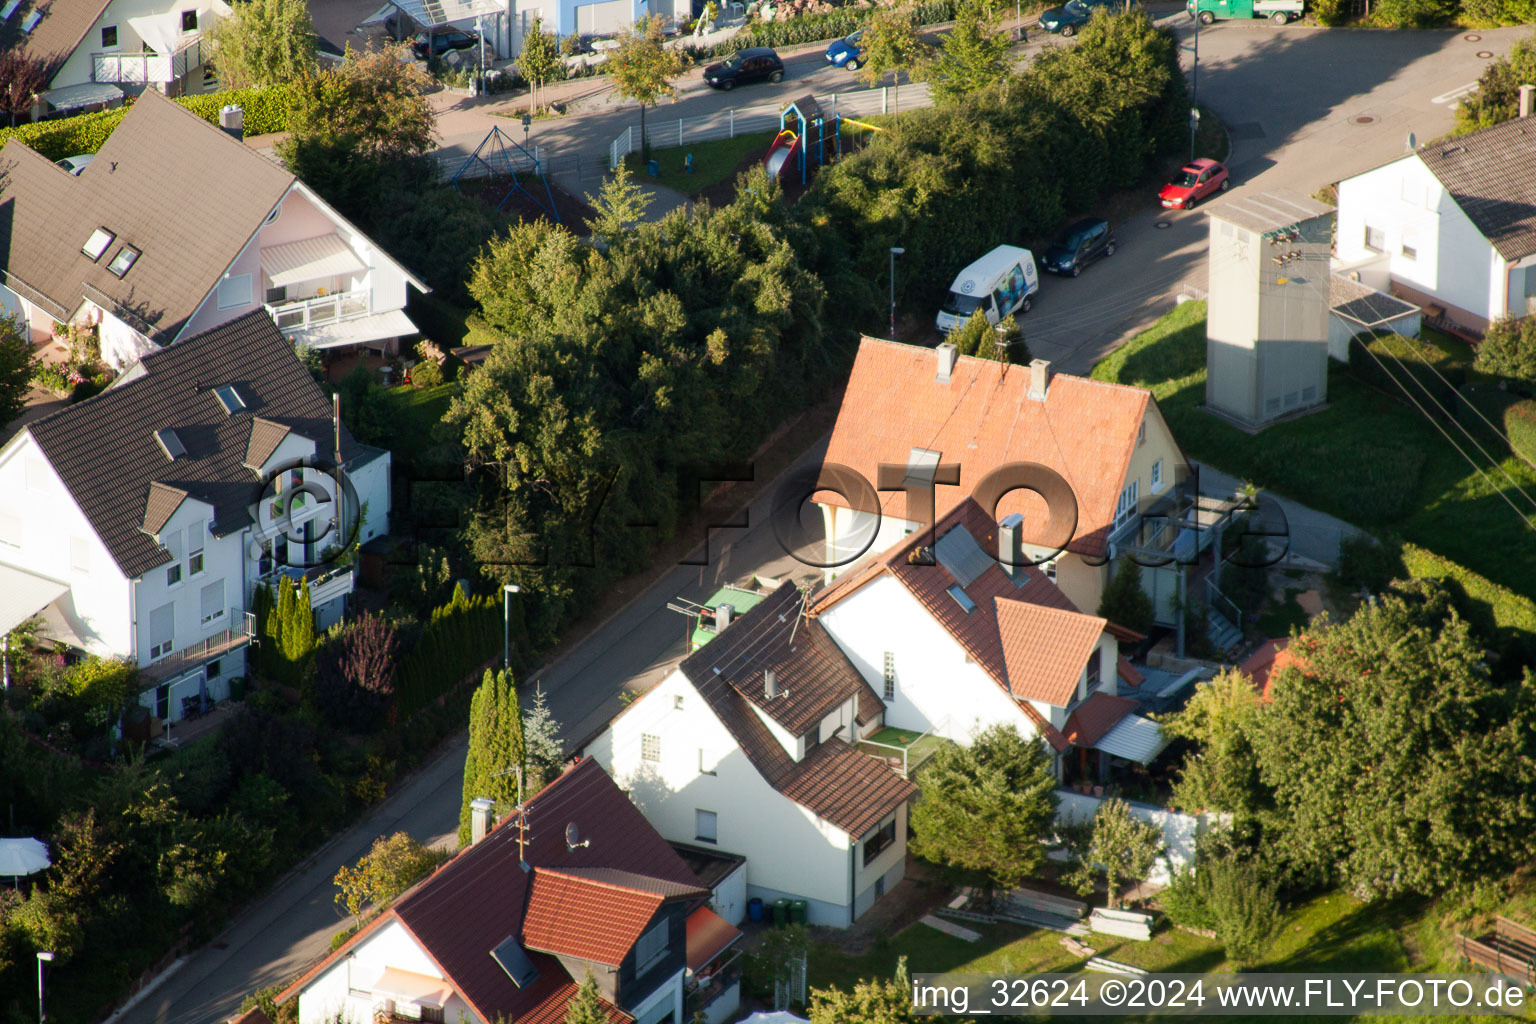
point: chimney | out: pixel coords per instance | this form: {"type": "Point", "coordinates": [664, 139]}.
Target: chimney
{"type": "Point", "coordinates": [232, 120]}
{"type": "Point", "coordinates": [1525, 99]}
{"type": "Point", "coordinates": [770, 684]}
{"type": "Point", "coordinates": [723, 613]}
{"type": "Point", "coordinates": [481, 819]}
{"type": "Point", "coordinates": [1039, 379]}
{"type": "Point", "coordinates": [1009, 551]}
{"type": "Point", "coordinates": [947, 354]}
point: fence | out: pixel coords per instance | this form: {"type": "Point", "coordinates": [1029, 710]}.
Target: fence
{"type": "Point", "coordinates": [727, 124]}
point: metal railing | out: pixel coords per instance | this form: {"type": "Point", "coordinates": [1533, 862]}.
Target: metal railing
{"type": "Point", "coordinates": [325, 582]}
{"type": "Point", "coordinates": [240, 632]}
{"type": "Point", "coordinates": [901, 756]}
{"type": "Point", "coordinates": [734, 121]}
{"type": "Point", "coordinates": [1223, 606]}
{"type": "Point", "coordinates": [146, 68]}
{"type": "Point", "coordinates": [321, 309]}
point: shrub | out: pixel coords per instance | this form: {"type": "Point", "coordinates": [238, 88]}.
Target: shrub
{"type": "Point", "coordinates": [1124, 602]}
{"type": "Point", "coordinates": [1509, 349]}
{"type": "Point", "coordinates": [1242, 906]}
{"type": "Point", "coordinates": [426, 373]}
{"type": "Point", "coordinates": [1520, 426]}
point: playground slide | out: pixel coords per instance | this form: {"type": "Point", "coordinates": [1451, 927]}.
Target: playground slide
{"type": "Point", "coordinates": [780, 152]}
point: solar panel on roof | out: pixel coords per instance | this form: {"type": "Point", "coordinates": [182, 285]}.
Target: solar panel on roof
{"type": "Point", "coordinates": [511, 957]}
{"type": "Point", "coordinates": [958, 552]}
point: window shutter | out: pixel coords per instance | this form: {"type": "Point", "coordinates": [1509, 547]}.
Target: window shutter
{"type": "Point", "coordinates": [10, 527]}
{"type": "Point", "coordinates": [213, 600]}
{"type": "Point", "coordinates": [172, 543]}
{"type": "Point", "coordinates": [195, 534]}
{"type": "Point", "coordinates": [162, 624]}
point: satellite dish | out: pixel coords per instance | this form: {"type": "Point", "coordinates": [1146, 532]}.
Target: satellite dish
{"type": "Point", "coordinates": [571, 835]}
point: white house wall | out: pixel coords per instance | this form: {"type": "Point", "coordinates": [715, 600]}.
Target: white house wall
{"type": "Point", "coordinates": [935, 684]}
{"type": "Point", "coordinates": [51, 526]}
{"type": "Point", "coordinates": [79, 69]}
{"type": "Point", "coordinates": [121, 345]}
{"type": "Point", "coordinates": [1179, 830]}
{"type": "Point", "coordinates": [372, 484]}
{"type": "Point", "coordinates": [223, 559]}
{"type": "Point", "coordinates": [344, 988]}
{"type": "Point", "coordinates": [1454, 263]}
{"type": "Point", "coordinates": [730, 899]}
{"type": "Point", "coordinates": [209, 315]}
{"type": "Point", "coordinates": [788, 849]}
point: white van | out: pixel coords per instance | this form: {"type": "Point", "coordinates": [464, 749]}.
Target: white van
{"type": "Point", "coordinates": [1001, 282]}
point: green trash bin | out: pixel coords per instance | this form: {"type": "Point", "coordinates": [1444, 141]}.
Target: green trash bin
{"type": "Point", "coordinates": [237, 688]}
{"type": "Point", "coordinates": [797, 912]}
{"type": "Point", "coordinates": [780, 913]}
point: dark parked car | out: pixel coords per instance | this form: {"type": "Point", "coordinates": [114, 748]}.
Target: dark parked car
{"type": "Point", "coordinates": [1078, 246]}
{"type": "Point", "coordinates": [759, 64]}
{"type": "Point", "coordinates": [434, 44]}
{"type": "Point", "coordinates": [401, 27]}
{"type": "Point", "coordinates": [1073, 15]}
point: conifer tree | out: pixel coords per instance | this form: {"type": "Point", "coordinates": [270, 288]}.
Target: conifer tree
{"type": "Point", "coordinates": [495, 747]}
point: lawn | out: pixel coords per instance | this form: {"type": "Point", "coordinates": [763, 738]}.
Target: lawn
{"type": "Point", "coordinates": [920, 746]}
{"type": "Point", "coordinates": [713, 162]}
{"type": "Point", "coordinates": [1367, 458]}
{"type": "Point", "coordinates": [414, 412]}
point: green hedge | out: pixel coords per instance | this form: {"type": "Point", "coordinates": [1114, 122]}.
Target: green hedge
{"type": "Point", "coordinates": [266, 111]}
{"type": "Point", "coordinates": [812, 28]}
{"type": "Point", "coordinates": [456, 641]}
{"type": "Point", "coordinates": [1520, 425]}
{"type": "Point", "coordinates": [1497, 609]}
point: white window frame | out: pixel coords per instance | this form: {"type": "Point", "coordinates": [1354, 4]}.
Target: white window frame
{"type": "Point", "coordinates": [650, 747]}
{"type": "Point", "coordinates": [1048, 569]}
{"type": "Point", "coordinates": [1157, 476]}
{"type": "Point", "coordinates": [228, 281]}
{"type": "Point", "coordinates": [1125, 508]}
{"type": "Point", "coordinates": [1408, 245]}
{"type": "Point", "coordinates": [218, 612]}
{"type": "Point", "coordinates": [160, 650]}
{"type": "Point", "coordinates": [1380, 234]}
{"type": "Point", "coordinates": [702, 769]}
{"type": "Point", "coordinates": [196, 561]}
{"type": "Point", "coordinates": [181, 21]}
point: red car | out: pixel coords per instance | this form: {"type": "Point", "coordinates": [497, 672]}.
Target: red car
{"type": "Point", "coordinates": [1195, 182]}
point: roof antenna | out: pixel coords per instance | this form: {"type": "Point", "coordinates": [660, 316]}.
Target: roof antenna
{"type": "Point", "coordinates": [522, 815]}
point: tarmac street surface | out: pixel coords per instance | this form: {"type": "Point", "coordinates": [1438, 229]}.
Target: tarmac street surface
{"type": "Point", "coordinates": [1304, 108]}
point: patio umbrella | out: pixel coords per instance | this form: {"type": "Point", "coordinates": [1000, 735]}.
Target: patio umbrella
{"type": "Point", "coordinates": [23, 857]}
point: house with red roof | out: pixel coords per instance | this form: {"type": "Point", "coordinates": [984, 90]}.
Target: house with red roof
{"type": "Point", "coordinates": [946, 427]}
{"type": "Point", "coordinates": [751, 746]}
{"type": "Point", "coordinates": [577, 882]}
{"type": "Point", "coordinates": [954, 641]}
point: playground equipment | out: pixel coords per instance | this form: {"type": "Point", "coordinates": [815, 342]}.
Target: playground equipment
{"type": "Point", "coordinates": [501, 156]}
{"type": "Point", "coordinates": [792, 146]}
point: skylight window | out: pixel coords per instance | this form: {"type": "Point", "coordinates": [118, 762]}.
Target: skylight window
{"type": "Point", "coordinates": [123, 261]}
{"type": "Point", "coordinates": [97, 243]}
{"type": "Point", "coordinates": [9, 9]}
{"type": "Point", "coordinates": [170, 444]}
{"type": "Point", "coordinates": [31, 21]}
{"type": "Point", "coordinates": [922, 466]}
{"type": "Point", "coordinates": [962, 598]}
{"type": "Point", "coordinates": [230, 399]}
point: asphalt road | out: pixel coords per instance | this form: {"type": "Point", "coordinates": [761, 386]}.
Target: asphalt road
{"type": "Point", "coordinates": [1293, 98]}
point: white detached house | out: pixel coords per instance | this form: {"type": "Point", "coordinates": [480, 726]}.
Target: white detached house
{"type": "Point", "coordinates": [1450, 225]}
{"type": "Point", "coordinates": [750, 747]}
{"type": "Point", "coordinates": [176, 227]}
{"type": "Point", "coordinates": [139, 523]}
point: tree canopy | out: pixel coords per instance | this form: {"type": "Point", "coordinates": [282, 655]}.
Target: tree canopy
{"type": "Point", "coordinates": [972, 56]}
{"type": "Point", "coordinates": [1509, 349]}
{"type": "Point", "coordinates": [1221, 772]}
{"type": "Point", "coordinates": [643, 67]}
{"type": "Point", "coordinates": [1122, 848]}
{"type": "Point", "coordinates": [392, 865]}
{"type": "Point", "coordinates": [496, 751]}
{"type": "Point", "coordinates": [264, 42]}
{"type": "Point", "coordinates": [17, 362]}
{"type": "Point", "coordinates": [1124, 602]}
{"type": "Point", "coordinates": [986, 807]}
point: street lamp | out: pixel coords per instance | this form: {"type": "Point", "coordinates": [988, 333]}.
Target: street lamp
{"type": "Point", "coordinates": [480, 46]}
{"type": "Point", "coordinates": [43, 957]}
{"type": "Point", "coordinates": [1194, 89]}
{"type": "Point", "coordinates": [506, 623]}
{"type": "Point", "coordinates": [895, 251]}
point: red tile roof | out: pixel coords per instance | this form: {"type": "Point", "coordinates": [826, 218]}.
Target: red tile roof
{"type": "Point", "coordinates": [982, 419]}
{"type": "Point", "coordinates": [1045, 649]}
{"type": "Point", "coordinates": [1097, 715]}
{"type": "Point", "coordinates": [1264, 664]}
{"type": "Point", "coordinates": [612, 917]}
{"type": "Point", "coordinates": [478, 899]}
{"type": "Point", "coordinates": [709, 935]}
{"type": "Point", "coordinates": [1128, 673]}
{"type": "Point", "coordinates": [848, 789]}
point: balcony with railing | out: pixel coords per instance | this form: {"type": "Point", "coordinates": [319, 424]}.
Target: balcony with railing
{"type": "Point", "coordinates": [1176, 528]}
{"type": "Point", "coordinates": [302, 314]}
{"type": "Point", "coordinates": [147, 68]}
{"type": "Point", "coordinates": [242, 627]}
{"type": "Point", "coordinates": [905, 750]}
{"type": "Point", "coordinates": [326, 582]}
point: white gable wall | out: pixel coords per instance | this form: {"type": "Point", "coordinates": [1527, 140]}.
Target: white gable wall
{"type": "Point", "coordinates": [53, 532]}
{"type": "Point", "coordinates": [345, 988]}
{"type": "Point", "coordinates": [788, 848]}
{"type": "Point", "coordinates": [935, 683]}
{"type": "Point", "coordinates": [223, 561]}
{"type": "Point", "coordinates": [1454, 263]}
{"type": "Point", "coordinates": [79, 68]}
{"type": "Point", "coordinates": [121, 345]}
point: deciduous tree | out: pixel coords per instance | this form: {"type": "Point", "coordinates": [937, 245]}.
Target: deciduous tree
{"type": "Point", "coordinates": [643, 68]}
{"type": "Point", "coordinates": [973, 55]}
{"type": "Point", "coordinates": [496, 748]}
{"type": "Point", "coordinates": [1509, 349]}
{"type": "Point", "coordinates": [1221, 773]}
{"type": "Point", "coordinates": [891, 44]}
{"type": "Point", "coordinates": [1122, 848]}
{"type": "Point", "coordinates": [17, 363]}
{"type": "Point", "coordinates": [985, 807]}
{"type": "Point", "coordinates": [619, 205]}
{"type": "Point", "coordinates": [22, 77]}
{"type": "Point", "coordinates": [357, 672]}
{"type": "Point", "coordinates": [264, 42]}
{"type": "Point", "coordinates": [373, 105]}
{"type": "Point", "coordinates": [539, 61]}
{"type": "Point", "coordinates": [391, 866]}
{"type": "Point", "coordinates": [1003, 342]}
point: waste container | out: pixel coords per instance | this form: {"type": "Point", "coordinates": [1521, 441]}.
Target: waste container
{"type": "Point", "coordinates": [755, 908]}
{"type": "Point", "coordinates": [237, 688]}
{"type": "Point", "coordinates": [780, 912]}
{"type": "Point", "coordinates": [797, 912]}
{"type": "Point", "coordinates": [653, 169]}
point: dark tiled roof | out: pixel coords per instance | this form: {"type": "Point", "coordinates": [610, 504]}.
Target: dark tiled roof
{"type": "Point", "coordinates": [170, 184]}
{"type": "Point", "coordinates": [105, 451]}
{"type": "Point", "coordinates": [62, 28]}
{"type": "Point", "coordinates": [838, 783]}
{"type": "Point", "coordinates": [265, 437]}
{"type": "Point", "coordinates": [1096, 716]}
{"type": "Point", "coordinates": [1366, 306]}
{"type": "Point", "coordinates": [474, 902]}
{"type": "Point", "coordinates": [712, 866]}
{"type": "Point", "coordinates": [163, 502]}
{"type": "Point", "coordinates": [1492, 176]}
{"type": "Point", "coordinates": [665, 888]}
{"type": "Point", "coordinates": [814, 676]}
